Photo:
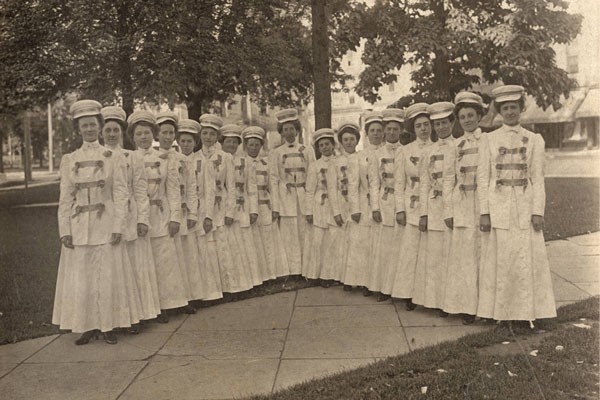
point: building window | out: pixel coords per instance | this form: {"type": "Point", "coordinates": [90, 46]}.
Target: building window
{"type": "Point", "coordinates": [572, 64]}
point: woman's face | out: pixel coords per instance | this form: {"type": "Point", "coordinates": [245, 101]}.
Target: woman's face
{"type": "Point", "coordinates": [89, 128]}
{"type": "Point", "coordinates": [253, 146]}
{"type": "Point", "coordinates": [166, 136]}
{"type": "Point", "coordinates": [468, 119]}
{"type": "Point", "coordinates": [142, 137]}
{"type": "Point", "coordinates": [511, 112]}
{"type": "Point", "coordinates": [289, 132]}
{"type": "Point", "coordinates": [423, 128]}
{"type": "Point", "coordinates": [208, 137]}
{"type": "Point", "coordinates": [325, 147]}
{"type": "Point", "coordinates": [230, 144]}
{"type": "Point", "coordinates": [349, 142]}
{"type": "Point", "coordinates": [186, 143]}
{"type": "Point", "coordinates": [443, 127]}
{"type": "Point", "coordinates": [392, 131]}
{"type": "Point", "coordinates": [112, 134]}
{"type": "Point", "coordinates": [375, 133]}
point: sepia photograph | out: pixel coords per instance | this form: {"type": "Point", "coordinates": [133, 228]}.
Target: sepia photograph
{"type": "Point", "coordinates": [298, 200]}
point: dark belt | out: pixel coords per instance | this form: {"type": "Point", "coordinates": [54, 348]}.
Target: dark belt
{"type": "Point", "coordinates": [239, 185]}
{"type": "Point", "coordinates": [387, 190]}
{"type": "Point", "coordinates": [436, 175]}
{"type": "Point", "coordinates": [470, 168]}
{"type": "Point", "coordinates": [262, 187]}
{"type": "Point", "coordinates": [437, 157]}
{"type": "Point", "coordinates": [472, 150]}
{"type": "Point", "coordinates": [467, 188]}
{"type": "Point", "coordinates": [97, 164]}
{"type": "Point", "coordinates": [387, 175]}
{"type": "Point", "coordinates": [512, 166]}
{"type": "Point", "coordinates": [292, 155]}
{"type": "Point", "coordinates": [387, 160]}
{"type": "Point", "coordinates": [154, 180]}
{"type": "Point", "coordinates": [157, 202]}
{"type": "Point", "coordinates": [294, 169]}
{"type": "Point", "coordinates": [516, 150]}
{"type": "Point", "coordinates": [263, 202]}
{"type": "Point", "coordinates": [153, 164]}
{"type": "Point", "coordinates": [265, 173]}
{"type": "Point", "coordinates": [89, 208]}
{"type": "Point", "coordinates": [436, 193]}
{"type": "Point", "coordinates": [511, 182]}
{"type": "Point", "coordinates": [413, 200]}
{"type": "Point", "coordinates": [88, 185]}
{"type": "Point", "coordinates": [291, 185]}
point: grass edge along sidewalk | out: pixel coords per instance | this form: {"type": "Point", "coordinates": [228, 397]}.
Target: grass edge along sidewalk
{"type": "Point", "coordinates": [478, 366]}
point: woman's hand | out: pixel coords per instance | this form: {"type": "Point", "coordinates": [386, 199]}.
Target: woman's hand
{"type": "Point", "coordinates": [338, 220]}
{"type": "Point", "coordinates": [191, 223]}
{"type": "Point", "coordinates": [423, 223]}
{"type": "Point", "coordinates": [142, 230]}
{"type": "Point", "coordinates": [115, 238]}
{"type": "Point", "coordinates": [253, 218]}
{"type": "Point", "coordinates": [449, 223]}
{"type": "Point", "coordinates": [377, 216]}
{"type": "Point", "coordinates": [538, 222]}
{"type": "Point", "coordinates": [275, 216]}
{"type": "Point", "coordinates": [207, 225]}
{"type": "Point", "coordinates": [401, 218]}
{"type": "Point", "coordinates": [309, 219]}
{"type": "Point", "coordinates": [485, 223]}
{"type": "Point", "coordinates": [355, 217]}
{"type": "Point", "coordinates": [67, 241]}
{"type": "Point", "coordinates": [173, 228]}
{"type": "Point", "coordinates": [228, 221]}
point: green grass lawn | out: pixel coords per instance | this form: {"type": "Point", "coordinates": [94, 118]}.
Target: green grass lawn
{"type": "Point", "coordinates": [478, 366]}
{"type": "Point", "coordinates": [29, 250]}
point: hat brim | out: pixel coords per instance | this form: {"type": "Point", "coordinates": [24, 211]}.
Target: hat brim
{"type": "Point", "coordinates": [392, 119]}
{"type": "Point", "coordinates": [287, 119]}
{"type": "Point", "coordinates": [165, 119]}
{"type": "Point", "coordinates": [508, 97]}
{"type": "Point", "coordinates": [86, 113]}
{"type": "Point", "coordinates": [440, 115]}
{"type": "Point", "coordinates": [236, 135]}
{"type": "Point", "coordinates": [469, 101]}
{"type": "Point", "coordinates": [189, 131]}
{"type": "Point", "coordinates": [209, 125]}
{"type": "Point", "coordinates": [253, 136]}
{"type": "Point", "coordinates": [323, 137]}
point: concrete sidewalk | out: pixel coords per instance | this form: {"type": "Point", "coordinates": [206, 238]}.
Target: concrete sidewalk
{"type": "Point", "coordinates": [257, 345]}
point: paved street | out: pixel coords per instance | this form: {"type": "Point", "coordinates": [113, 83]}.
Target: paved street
{"type": "Point", "coordinates": [257, 345]}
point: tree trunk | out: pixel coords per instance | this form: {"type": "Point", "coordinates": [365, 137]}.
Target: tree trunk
{"type": "Point", "coordinates": [194, 104]}
{"type": "Point", "coordinates": [124, 51]}
{"type": "Point", "coordinates": [1, 153]}
{"type": "Point", "coordinates": [321, 76]}
{"type": "Point", "coordinates": [27, 147]}
{"type": "Point", "coordinates": [441, 68]}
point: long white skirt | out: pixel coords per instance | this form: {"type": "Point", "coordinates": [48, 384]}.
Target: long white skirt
{"type": "Point", "coordinates": [91, 291]}
{"type": "Point", "coordinates": [431, 269]}
{"type": "Point", "coordinates": [209, 266]}
{"type": "Point", "coordinates": [462, 276]}
{"type": "Point", "coordinates": [144, 272]}
{"type": "Point", "coordinates": [197, 287]}
{"type": "Point", "coordinates": [241, 242]}
{"type": "Point", "coordinates": [359, 244]}
{"type": "Point", "coordinates": [235, 277]}
{"type": "Point", "coordinates": [267, 270]}
{"type": "Point", "coordinates": [404, 281]}
{"type": "Point", "coordinates": [386, 252]}
{"type": "Point", "coordinates": [514, 280]}
{"type": "Point", "coordinates": [293, 231]}
{"type": "Point", "coordinates": [170, 272]}
{"type": "Point", "coordinates": [269, 238]}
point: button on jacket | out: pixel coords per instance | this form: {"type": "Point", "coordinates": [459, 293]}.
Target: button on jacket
{"type": "Point", "coordinates": [93, 195]}
{"type": "Point", "coordinates": [511, 168]}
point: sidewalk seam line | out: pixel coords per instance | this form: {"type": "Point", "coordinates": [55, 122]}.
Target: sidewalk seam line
{"type": "Point", "coordinates": [31, 355]}
{"type": "Point", "coordinates": [287, 332]}
{"type": "Point", "coordinates": [149, 358]}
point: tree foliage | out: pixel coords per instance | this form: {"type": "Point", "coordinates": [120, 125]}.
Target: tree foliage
{"type": "Point", "coordinates": [455, 44]}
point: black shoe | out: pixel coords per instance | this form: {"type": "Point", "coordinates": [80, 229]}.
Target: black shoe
{"type": "Point", "coordinates": [468, 319]}
{"type": "Point", "coordinates": [189, 309]}
{"type": "Point", "coordinates": [347, 288]}
{"type": "Point", "coordinates": [86, 337]}
{"type": "Point", "coordinates": [382, 297]}
{"type": "Point", "coordinates": [409, 306]}
{"type": "Point", "coordinates": [366, 292]}
{"type": "Point", "coordinates": [163, 317]}
{"type": "Point", "coordinates": [110, 337]}
{"type": "Point", "coordinates": [442, 313]}
{"type": "Point", "coordinates": [134, 329]}
{"type": "Point", "coordinates": [325, 283]}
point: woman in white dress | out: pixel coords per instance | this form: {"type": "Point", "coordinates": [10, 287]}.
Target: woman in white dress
{"type": "Point", "coordinates": [433, 252]}
{"type": "Point", "coordinates": [324, 230]}
{"type": "Point", "coordinates": [382, 181]}
{"type": "Point", "coordinates": [265, 231]}
{"type": "Point", "coordinates": [461, 211]}
{"type": "Point", "coordinates": [165, 213]}
{"type": "Point", "coordinates": [407, 193]}
{"type": "Point", "coordinates": [135, 235]}
{"type": "Point", "coordinates": [91, 293]}
{"type": "Point", "coordinates": [514, 281]}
